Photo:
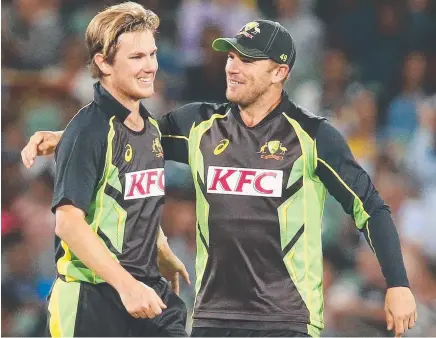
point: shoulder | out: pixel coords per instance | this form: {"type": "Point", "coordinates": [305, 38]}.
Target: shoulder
{"type": "Point", "coordinates": [330, 140]}
{"type": "Point", "coordinates": [200, 111]}
{"type": "Point", "coordinates": [208, 110]}
{"type": "Point", "coordinates": [88, 128]}
{"type": "Point", "coordinates": [182, 119]}
{"type": "Point", "coordinates": [90, 121]}
{"type": "Point", "coordinates": [308, 121]}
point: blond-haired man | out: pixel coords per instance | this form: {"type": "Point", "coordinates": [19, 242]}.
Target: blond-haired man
{"type": "Point", "coordinates": [109, 190]}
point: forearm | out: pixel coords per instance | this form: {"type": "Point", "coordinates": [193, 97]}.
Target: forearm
{"type": "Point", "coordinates": [383, 238]}
{"type": "Point", "coordinates": [161, 238]}
{"type": "Point", "coordinates": [85, 244]}
{"type": "Point", "coordinates": [163, 248]}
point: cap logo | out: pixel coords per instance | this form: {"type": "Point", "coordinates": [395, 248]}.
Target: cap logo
{"type": "Point", "coordinates": [249, 30]}
{"type": "Point", "coordinates": [283, 57]}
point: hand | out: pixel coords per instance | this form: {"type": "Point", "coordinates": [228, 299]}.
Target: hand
{"type": "Point", "coordinates": [141, 301]}
{"type": "Point", "coordinates": [41, 143]}
{"type": "Point", "coordinates": [170, 267]}
{"type": "Point", "coordinates": [400, 310]}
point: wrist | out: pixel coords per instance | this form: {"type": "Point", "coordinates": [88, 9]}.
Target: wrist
{"type": "Point", "coordinates": [164, 250]}
{"type": "Point", "coordinates": [122, 281]}
{"type": "Point", "coordinates": [162, 242]}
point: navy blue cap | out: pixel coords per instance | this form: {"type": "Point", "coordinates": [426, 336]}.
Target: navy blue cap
{"type": "Point", "coordinates": [261, 39]}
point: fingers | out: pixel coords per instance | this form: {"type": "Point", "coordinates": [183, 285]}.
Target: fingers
{"type": "Point", "coordinates": [144, 312]}
{"type": "Point", "coordinates": [155, 306]}
{"type": "Point", "coordinates": [389, 321]}
{"type": "Point", "coordinates": [185, 275]}
{"type": "Point", "coordinates": [140, 314]}
{"type": "Point", "coordinates": [154, 310]}
{"type": "Point", "coordinates": [161, 303]}
{"type": "Point", "coordinates": [143, 303]}
{"type": "Point", "coordinates": [149, 310]}
{"type": "Point", "coordinates": [44, 149]}
{"type": "Point", "coordinates": [399, 327]}
{"type": "Point", "coordinates": [175, 285]}
{"type": "Point", "coordinates": [136, 312]}
{"type": "Point", "coordinates": [30, 151]}
{"type": "Point", "coordinates": [405, 324]}
{"type": "Point", "coordinates": [411, 321]}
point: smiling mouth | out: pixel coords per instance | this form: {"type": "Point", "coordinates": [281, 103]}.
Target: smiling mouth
{"type": "Point", "coordinates": [145, 80]}
{"type": "Point", "coordinates": [233, 82]}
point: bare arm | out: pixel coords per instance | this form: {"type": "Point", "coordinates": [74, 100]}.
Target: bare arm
{"type": "Point", "coordinates": [73, 230]}
{"type": "Point", "coordinates": [170, 265]}
{"type": "Point", "coordinates": [139, 300]}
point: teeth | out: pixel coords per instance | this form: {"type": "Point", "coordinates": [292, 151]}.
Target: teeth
{"type": "Point", "coordinates": [144, 80]}
{"type": "Point", "coordinates": [234, 82]}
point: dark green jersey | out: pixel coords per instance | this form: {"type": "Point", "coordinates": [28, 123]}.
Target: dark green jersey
{"type": "Point", "coordinates": [260, 195]}
{"type": "Point", "coordinates": [115, 175]}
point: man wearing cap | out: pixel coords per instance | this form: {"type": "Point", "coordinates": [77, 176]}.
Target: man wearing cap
{"type": "Point", "coordinates": [261, 167]}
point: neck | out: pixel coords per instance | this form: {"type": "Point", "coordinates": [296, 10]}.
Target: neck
{"type": "Point", "coordinates": [257, 111]}
{"type": "Point", "coordinates": [128, 102]}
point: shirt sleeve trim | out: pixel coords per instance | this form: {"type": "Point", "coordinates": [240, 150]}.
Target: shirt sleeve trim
{"type": "Point", "coordinates": [176, 136]}
{"type": "Point", "coordinates": [360, 215]}
{"type": "Point", "coordinates": [369, 238]}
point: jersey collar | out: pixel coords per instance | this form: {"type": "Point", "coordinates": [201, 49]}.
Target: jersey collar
{"type": "Point", "coordinates": [112, 106]}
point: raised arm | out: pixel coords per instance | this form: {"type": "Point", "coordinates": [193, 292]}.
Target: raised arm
{"type": "Point", "coordinates": [175, 128]}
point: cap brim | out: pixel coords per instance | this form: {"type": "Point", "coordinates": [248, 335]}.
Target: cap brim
{"type": "Point", "coordinates": [227, 44]}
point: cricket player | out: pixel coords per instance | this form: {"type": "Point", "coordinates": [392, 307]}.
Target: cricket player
{"type": "Point", "coordinates": [109, 193]}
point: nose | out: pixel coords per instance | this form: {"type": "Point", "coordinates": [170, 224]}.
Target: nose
{"type": "Point", "coordinates": [150, 64]}
{"type": "Point", "coordinates": [232, 66]}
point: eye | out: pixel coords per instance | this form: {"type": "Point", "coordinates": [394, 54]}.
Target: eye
{"type": "Point", "coordinates": [247, 61]}
{"type": "Point", "coordinates": [154, 54]}
{"type": "Point", "coordinates": [230, 57]}
{"type": "Point", "coordinates": [135, 57]}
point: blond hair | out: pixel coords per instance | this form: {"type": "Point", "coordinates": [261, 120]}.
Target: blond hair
{"type": "Point", "coordinates": [105, 28]}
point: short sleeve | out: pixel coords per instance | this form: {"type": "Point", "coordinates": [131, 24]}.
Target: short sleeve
{"type": "Point", "coordinates": [80, 158]}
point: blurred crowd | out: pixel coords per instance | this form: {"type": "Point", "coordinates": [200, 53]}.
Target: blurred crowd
{"type": "Point", "coordinates": [367, 65]}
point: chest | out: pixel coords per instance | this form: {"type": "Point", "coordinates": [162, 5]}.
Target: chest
{"type": "Point", "coordinates": [247, 161]}
{"type": "Point", "coordinates": [137, 160]}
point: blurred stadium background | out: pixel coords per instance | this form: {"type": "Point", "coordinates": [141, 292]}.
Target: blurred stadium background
{"type": "Point", "coordinates": [367, 65]}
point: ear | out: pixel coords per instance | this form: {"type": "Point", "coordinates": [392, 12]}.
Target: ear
{"type": "Point", "coordinates": [281, 73]}
{"type": "Point", "coordinates": [101, 63]}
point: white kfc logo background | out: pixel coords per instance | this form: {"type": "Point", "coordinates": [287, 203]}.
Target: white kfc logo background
{"type": "Point", "coordinates": [144, 183]}
{"type": "Point", "coordinates": [244, 181]}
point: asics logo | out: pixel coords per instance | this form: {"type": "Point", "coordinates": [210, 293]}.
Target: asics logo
{"type": "Point", "coordinates": [221, 146]}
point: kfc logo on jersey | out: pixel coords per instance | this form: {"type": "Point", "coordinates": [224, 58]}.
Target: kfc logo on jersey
{"type": "Point", "coordinates": [244, 181]}
{"type": "Point", "coordinates": [144, 183]}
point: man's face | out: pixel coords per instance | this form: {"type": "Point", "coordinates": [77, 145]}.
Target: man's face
{"type": "Point", "coordinates": [135, 65]}
{"type": "Point", "coordinates": [247, 79]}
